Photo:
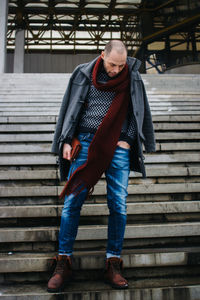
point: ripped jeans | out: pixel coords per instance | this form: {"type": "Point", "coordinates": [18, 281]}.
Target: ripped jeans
{"type": "Point", "coordinates": [117, 176]}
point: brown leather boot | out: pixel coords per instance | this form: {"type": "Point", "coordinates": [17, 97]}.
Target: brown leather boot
{"type": "Point", "coordinates": [61, 275]}
{"type": "Point", "coordinates": [113, 274]}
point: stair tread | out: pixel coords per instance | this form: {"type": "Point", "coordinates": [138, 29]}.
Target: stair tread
{"type": "Point", "coordinates": [94, 260]}
{"type": "Point", "coordinates": [50, 159]}
{"type": "Point", "coordinates": [151, 287]}
{"type": "Point", "coordinates": [100, 209]}
{"type": "Point", "coordinates": [44, 119]}
{"type": "Point", "coordinates": [99, 232]}
{"type": "Point", "coordinates": [157, 171]}
{"type": "Point", "coordinates": [100, 189]}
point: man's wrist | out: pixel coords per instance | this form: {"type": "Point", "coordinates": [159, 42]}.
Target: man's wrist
{"type": "Point", "coordinates": [68, 140]}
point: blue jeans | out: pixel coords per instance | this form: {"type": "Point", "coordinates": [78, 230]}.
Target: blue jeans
{"type": "Point", "coordinates": [117, 176]}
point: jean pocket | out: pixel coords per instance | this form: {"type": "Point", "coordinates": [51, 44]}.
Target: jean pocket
{"type": "Point", "coordinates": [85, 137]}
{"type": "Point", "coordinates": [81, 137]}
{"type": "Point", "coordinates": [125, 149]}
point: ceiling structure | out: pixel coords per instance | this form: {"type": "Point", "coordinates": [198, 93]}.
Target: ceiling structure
{"type": "Point", "coordinates": [160, 32]}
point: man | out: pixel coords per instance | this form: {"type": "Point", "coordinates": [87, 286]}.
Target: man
{"type": "Point", "coordinates": [106, 107]}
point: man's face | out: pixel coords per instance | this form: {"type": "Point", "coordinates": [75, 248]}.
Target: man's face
{"type": "Point", "coordinates": [114, 62]}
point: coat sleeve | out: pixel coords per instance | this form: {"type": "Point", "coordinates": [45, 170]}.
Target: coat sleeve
{"type": "Point", "coordinates": [148, 130]}
{"type": "Point", "coordinates": [62, 113]}
{"type": "Point", "coordinates": [61, 116]}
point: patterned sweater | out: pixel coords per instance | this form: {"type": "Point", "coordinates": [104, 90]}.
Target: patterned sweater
{"type": "Point", "coordinates": [96, 107]}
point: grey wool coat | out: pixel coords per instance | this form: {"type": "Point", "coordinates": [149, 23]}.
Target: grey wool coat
{"type": "Point", "coordinates": [73, 101]}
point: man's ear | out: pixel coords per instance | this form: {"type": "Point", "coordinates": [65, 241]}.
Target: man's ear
{"type": "Point", "coordinates": [102, 54]}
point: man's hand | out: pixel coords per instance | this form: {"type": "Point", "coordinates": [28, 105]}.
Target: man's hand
{"type": "Point", "coordinates": [67, 151]}
{"type": "Point", "coordinates": [123, 144]}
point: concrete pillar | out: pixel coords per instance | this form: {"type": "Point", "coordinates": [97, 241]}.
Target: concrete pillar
{"type": "Point", "coordinates": [3, 34]}
{"type": "Point", "coordinates": [19, 51]}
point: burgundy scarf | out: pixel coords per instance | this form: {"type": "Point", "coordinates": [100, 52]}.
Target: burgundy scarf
{"type": "Point", "coordinates": [102, 147]}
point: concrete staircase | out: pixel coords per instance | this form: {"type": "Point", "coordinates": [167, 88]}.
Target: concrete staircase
{"type": "Point", "coordinates": [162, 241]}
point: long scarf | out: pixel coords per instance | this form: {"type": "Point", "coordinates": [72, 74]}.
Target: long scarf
{"type": "Point", "coordinates": [102, 147]}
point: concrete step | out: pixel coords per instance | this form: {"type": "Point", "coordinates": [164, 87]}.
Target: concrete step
{"type": "Point", "coordinates": [153, 82]}
{"type": "Point", "coordinates": [30, 108]}
{"type": "Point", "coordinates": [51, 127]}
{"type": "Point", "coordinates": [176, 126]}
{"type": "Point", "coordinates": [177, 146]}
{"type": "Point", "coordinates": [37, 91]}
{"type": "Point", "coordinates": [26, 100]}
{"type": "Point", "coordinates": [58, 83]}
{"type": "Point", "coordinates": [135, 258]}
{"type": "Point", "coordinates": [27, 128]}
{"type": "Point", "coordinates": [187, 98]}
{"type": "Point", "coordinates": [48, 211]}
{"type": "Point", "coordinates": [52, 119]}
{"type": "Point", "coordinates": [42, 137]}
{"type": "Point", "coordinates": [99, 232]}
{"type": "Point", "coordinates": [176, 118]}
{"type": "Point", "coordinates": [27, 159]}
{"type": "Point", "coordinates": [175, 112]}
{"type": "Point", "coordinates": [50, 159]}
{"type": "Point", "coordinates": [29, 174]}
{"type": "Point", "coordinates": [28, 148]}
{"type": "Point", "coordinates": [158, 108]}
{"type": "Point", "coordinates": [175, 105]}
{"type": "Point", "coordinates": [29, 119]}
{"type": "Point", "coordinates": [34, 91]}
{"type": "Point", "coordinates": [15, 175]}
{"type": "Point", "coordinates": [56, 111]}
{"type": "Point", "coordinates": [38, 148]}
{"type": "Point", "coordinates": [29, 113]}
{"type": "Point", "coordinates": [15, 147]}
{"type": "Point", "coordinates": [56, 98]}
{"type": "Point", "coordinates": [143, 289]}
{"type": "Point", "coordinates": [31, 137]}
{"type": "Point", "coordinates": [159, 171]}
{"type": "Point", "coordinates": [100, 189]}
{"type": "Point", "coordinates": [29, 104]}
{"type": "Point", "coordinates": [177, 136]}
{"type": "Point", "coordinates": [171, 158]}
{"type": "Point", "coordinates": [132, 198]}
{"type": "Point", "coordinates": [26, 89]}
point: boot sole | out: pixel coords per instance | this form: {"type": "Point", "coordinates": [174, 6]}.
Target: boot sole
{"type": "Point", "coordinates": [116, 286]}
{"type": "Point", "coordinates": [60, 289]}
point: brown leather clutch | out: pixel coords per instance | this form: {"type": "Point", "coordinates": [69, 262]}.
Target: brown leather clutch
{"type": "Point", "coordinates": [76, 147]}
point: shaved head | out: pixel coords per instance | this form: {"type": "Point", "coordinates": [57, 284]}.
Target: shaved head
{"type": "Point", "coordinates": [116, 45]}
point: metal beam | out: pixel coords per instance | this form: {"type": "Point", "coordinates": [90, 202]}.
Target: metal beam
{"type": "Point", "coordinates": [171, 29]}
